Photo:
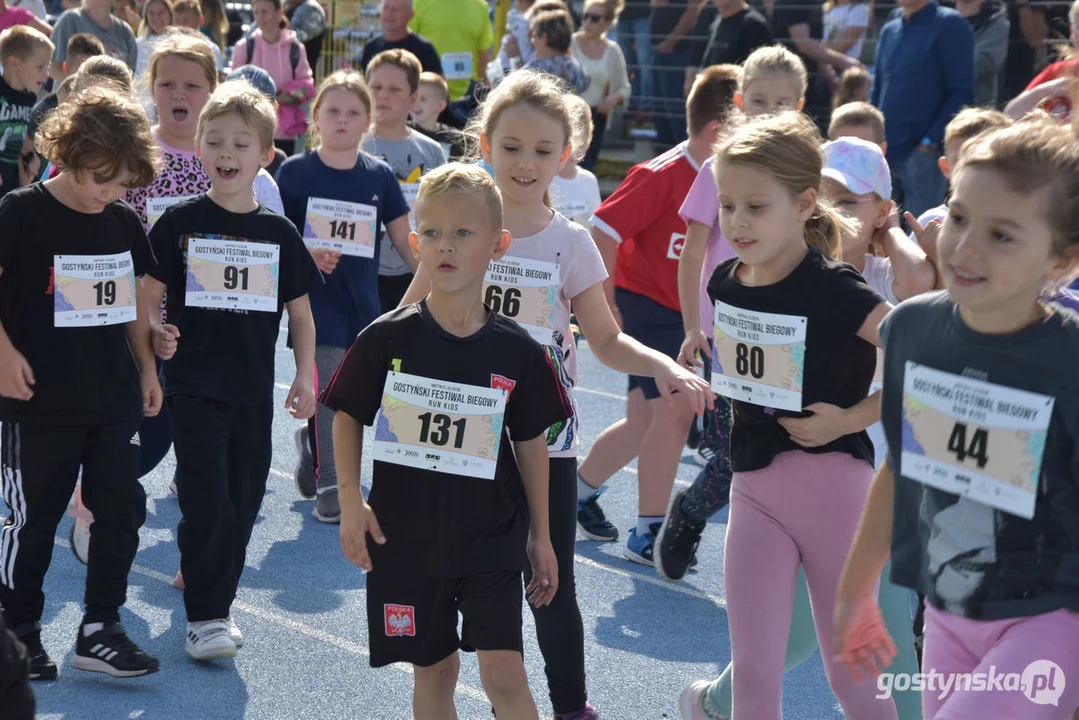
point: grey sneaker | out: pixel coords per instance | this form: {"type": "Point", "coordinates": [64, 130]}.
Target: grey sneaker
{"type": "Point", "coordinates": [327, 508]}
{"type": "Point", "coordinates": [306, 482]}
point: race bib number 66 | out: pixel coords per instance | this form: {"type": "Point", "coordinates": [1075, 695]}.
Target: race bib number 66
{"type": "Point", "coordinates": [759, 357]}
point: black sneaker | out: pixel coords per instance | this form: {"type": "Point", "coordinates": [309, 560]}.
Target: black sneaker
{"type": "Point", "coordinates": [306, 482]}
{"type": "Point", "coordinates": [41, 665]}
{"type": "Point", "coordinates": [593, 522]}
{"type": "Point", "coordinates": [677, 541]}
{"type": "Point", "coordinates": [695, 434]}
{"type": "Point", "coordinates": [111, 651]}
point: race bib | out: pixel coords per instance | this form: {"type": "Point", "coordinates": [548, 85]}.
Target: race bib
{"type": "Point", "coordinates": [576, 210]}
{"type": "Point", "coordinates": [525, 291]}
{"type": "Point", "coordinates": [232, 274]}
{"type": "Point", "coordinates": [439, 425]}
{"type": "Point", "coordinates": [347, 227]}
{"type": "Point", "coordinates": [155, 207]}
{"type": "Point", "coordinates": [411, 191]}
{"type": "Point", "coordinates": [974, 438]}
{"type": "Point", "coordinates": [759, 357]}
{"type": "Point", "coordinates": [457, 65]}
{"type": "Point", "coordinates": [93, 290]}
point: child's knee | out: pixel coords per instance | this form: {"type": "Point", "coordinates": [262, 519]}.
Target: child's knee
{"type": "Point", "coordinates": [503, 673]}
{"type": "Point", "coordinates": [439, 678]}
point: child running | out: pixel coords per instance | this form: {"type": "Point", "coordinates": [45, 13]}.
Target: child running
{"type": "Point", "coordinates": [451, 526]}
{"type": "Point", "coordinates": [231, 267]}
{"type": "Point", "coordinates": [24, 57]}
{"type": "Point", "coordinates": [977, 499]}
{"type": "Point", "coordinates": [329, 191]}
{"type": "Point", "coordinates": [794, 336]}
{"type": "Point", "coordinates": [77, 373]}
{"type": "Point", "coordinates": [524, 130]}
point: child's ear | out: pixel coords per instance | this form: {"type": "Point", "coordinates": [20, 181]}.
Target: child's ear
{"type": "Point", "coordinates": [884, 148]}
{"type": "Point", "coordinates": [502, 244]}
{"type": "Point", "coordinates": [268, 156]}
{"type": "Point", "coordinates": [801, 104]}
{"type": "Point", "coordinates": [739, 101]}
{"type": "Point", "coordinates": [807, 204]}
{"type": "Point", "coordinates": [442, 106]}
{"type": "Point", "coordinates": [485, 147]}
{"type": "Point", "coordinates": [63, 68]}
{"type": "Point", "coordinates": [414, 243]}
{"type": "Point", "coordinates": [945, 167]}
{"type": "Point", "coordinates": [884, 211]}
{"type": "Point", "coordinates": [567, 153]}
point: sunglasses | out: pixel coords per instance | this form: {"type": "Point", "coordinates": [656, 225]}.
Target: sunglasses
{"type": "Point", "coordinates": [592, 17]}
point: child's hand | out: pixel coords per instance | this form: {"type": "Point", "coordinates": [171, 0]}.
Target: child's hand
{"type": "Point", "coordinates": [671, 377]}
{"type": "Point", "coordinates": [326, 259]}
{"type": "Point", "coordinates": [861, 641]}
{"type": "Point", "coordinates": [544, 585]}
{"type": "Point", "coordinates": [165, 340]}
{"type": "Point", "coordinates": [695, 342]}
{"type": "Point", "coordinates": [152, 397]}
{"type": "Point", "coordinates": [355, 525]}
{"type": "Point", "coordinates": [301, 399]}
{"type": "Point", "coordinates": [827, 423]}
{"type": "Point", "coordinates": [926, 236]}
{"type": "Point", "coordinates": [16, 377]}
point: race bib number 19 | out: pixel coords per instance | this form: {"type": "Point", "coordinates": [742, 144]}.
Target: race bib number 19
{"type": "Point", "coordinates": [974, 438]}
{"type": "Point", "coordinates": [525, 291]}
{"type": "Point", "coordinates": [439, 425]}
{"type": "Point", "coordinates": [759, 357]}
{"type": "Point", "coordinates": [232, 274]}
{"type": "Point", "coordinates": [347, 227]}
{"type": "Point", "coordinates": [93, 290]}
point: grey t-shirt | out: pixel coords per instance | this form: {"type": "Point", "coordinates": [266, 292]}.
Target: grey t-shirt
{"type": "Point", "coordinates": [968, 557]}
{"type": "Point", "coordinates": [118, 39]}
{"type": "Point", "coordinates": [410, 159]}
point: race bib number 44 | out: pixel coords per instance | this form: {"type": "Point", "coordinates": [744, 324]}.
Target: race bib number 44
{"type": "Point", "coordinates": [347, 227]}
{"type": "Point", "coordinates": [525, 291]}
{"type": "Point", "coordinates": [232, 274]}
{"type": "Point", "coordinates": [759, 357]}
{"type": "Point", "coordinates": [439, 425]}
{"type": "Point", "coordinates": [93, 290]}
{"type": "Point", "coordinates": [974, 438]}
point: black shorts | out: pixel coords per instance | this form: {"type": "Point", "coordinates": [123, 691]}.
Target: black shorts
{"type": "Point", "coordinates": [412, 617]}
{"type": "Point", "coordinates": [653, 326]}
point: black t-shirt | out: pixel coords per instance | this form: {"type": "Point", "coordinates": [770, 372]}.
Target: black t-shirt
{"type": "Point", "coordinates": [664, 18]}
{"type": "Point", "coordinates": [443, 523]}
{"type": "Point", "coordinates": [732, 39]}
{"type": "Point", "coordinates": [451, 139]}
{"type": "Point", "coordinates": [837, 365]}
{"type": "Point", "coordinates": [84, 374]}
{"type": "Point", "coordinates": [15, 109]}
{"type": "Point", "coordinates": [227, 355]}
{"type": "Point", "coordinates": [416, 44]}
{"type": "Point", "coordinates": [41, 111]}
{"type": "Point", "coordinates": [797, 12]}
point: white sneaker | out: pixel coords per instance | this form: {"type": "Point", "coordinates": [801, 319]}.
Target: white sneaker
{"type": "Point", "coordinates": [210, 639]}
{"type": "Point", "coordinates": [235, 635]}
{"type": "Point", "coordinates": [689, 701]}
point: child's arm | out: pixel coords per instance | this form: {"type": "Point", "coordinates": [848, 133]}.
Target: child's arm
{"type": "Point", "coordinates": [165, 337]}
{"type": "Point", "coordinates": [16, 377]}
{"type": "Point", "coordinates": [690, 265]}
{"type": "Point", "coordinates": [1027, 100]}
{"type": "Point", "coordinates": [140, 342]}
{"type": "Point", "coordinates": [398, 230]}
{"type": "Point", "coordinates": [357, 517]}
{"type": "Point", "coordinates": [914, 272]}
{"type": "Point", "coordinates": [608, 250]}
{"type": "Point", "coordinates": [535, 475]}
{"type": "Point", "coordinates": [620, 352]}
{"type": "Point", "coordinates": [926, 238]}
{"type": "Point", "coordinates": [301, 325]}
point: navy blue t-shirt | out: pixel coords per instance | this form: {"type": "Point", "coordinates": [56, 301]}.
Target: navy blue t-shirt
{"type": "Point", "coordinates": [348, 302]}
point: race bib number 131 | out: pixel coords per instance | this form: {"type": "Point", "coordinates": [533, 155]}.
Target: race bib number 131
{"type": "Point", "coordinates": [759, 357]}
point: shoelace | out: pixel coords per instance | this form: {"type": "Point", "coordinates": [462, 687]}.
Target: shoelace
{"type": "Point", "coordinates": [681, 542]}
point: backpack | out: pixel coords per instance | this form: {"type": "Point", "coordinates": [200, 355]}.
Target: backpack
{"type": "Point", "coordinates": [293, 53]}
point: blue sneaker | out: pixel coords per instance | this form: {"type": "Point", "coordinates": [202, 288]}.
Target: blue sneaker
{"type": "Point", "coordinates": [639, 548]}
{"type": "Point", "coordinates": [593, 523]}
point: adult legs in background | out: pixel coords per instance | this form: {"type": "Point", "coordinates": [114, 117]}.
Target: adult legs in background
{"type": "Point", "coordinates": [670, 115]}
{"type": "Point", "coordinates": [634, 38]}
{"type": "Point", "coordinates": [599, 130]}
{"type": "Point", "coordinates": [922, 186]}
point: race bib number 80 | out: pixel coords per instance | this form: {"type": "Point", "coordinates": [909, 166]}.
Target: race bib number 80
{"type": "Point", "coordinates": [93, 290]}
{"type": "Point", "coordinates": [439, 425]}
{"type": "Point", "coordinates": [759, 357]}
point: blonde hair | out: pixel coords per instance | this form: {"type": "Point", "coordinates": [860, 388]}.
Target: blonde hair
{"type": "Point", "coordinates": [212, 13]}
{"type": "Point", "coordinates": [970, 122]}
{"type": "Point", "coordinates": [104, 68]}
{"type": "Point", "coordinates": [463, 179]}
{"type": "Point", "coordinates": [435, 80]}
{"type": "Point", "coordinates": [858, 114]}
{"type": "Point", "coordinates": [774, 59]}
{"type": "Point", "coordinates": [20, 41]}
{"type": "Point", "coordinates": [1035, 155]}
{"type": "Point", "coordinates": [582, 126]}
{"type": "Point", "coordinates": [144, 28]}
{"type": "Point", "coordinates": [349, 80]}
{"type": "Point", "coordinates": [239, 97]}
{"type": "Point", "coordinates": [186, 45]}
{"type": "Point", "coordinates": [788, 147]}
{"type": "Point", "coordinates": [103, 132]}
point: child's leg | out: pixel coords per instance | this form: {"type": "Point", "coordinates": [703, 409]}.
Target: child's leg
{"type": "Point", "coordinates": [559, 628]}
{"type": "Point", "coordinates": [618, 444]}
{"type": "Point", "coordinates": [432, 693]}
{"type": "Point", "coordinates": [711, 491]}
{"type": "Point", "coordinates": [895, 610]}
{"type": "Point", "coordinates": [505, 681]}
{"type": "Point", "coordinates": [801, 644]}
{"type": "Point", "coordinates": [38, 468]}
{"type": "Point", "coordinates": [759, 604]}
{"type": "Point", "coordinates": [660, 451]}
{"type": "Point", "coordinates": [948, 654]}
{"type": "Point", "coordinates": [112, 492]}
{"type": "Point", "coordinates": [1025, 663]}
{"type": "Point", "coordinates": [249, 455]}
{"type": "Point", "coordinates": [327, 359]}
{"type": "Point", "coordinates": [829, 491]}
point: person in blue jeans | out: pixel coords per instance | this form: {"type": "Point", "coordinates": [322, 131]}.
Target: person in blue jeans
{"type": "Point", "coordinates": [669, 24]}
{"type": "Point", "coordinates": [632, 35]}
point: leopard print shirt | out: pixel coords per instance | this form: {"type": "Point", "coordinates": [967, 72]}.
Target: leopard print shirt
{"type": "Point", "coordinates": [181, 175]}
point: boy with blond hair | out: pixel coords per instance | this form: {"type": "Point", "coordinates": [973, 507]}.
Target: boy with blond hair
{"type": "Point", "coordinates": [25, 54]}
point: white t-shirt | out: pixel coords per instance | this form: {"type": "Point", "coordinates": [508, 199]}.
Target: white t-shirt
{"type": "Point", "coordinates": [577, 197]}
{"type": "Point", "coordinates": [267, 193]}
{"type": "Point", "coordinates": [580, 267]}
{"type": "Point", "coordinates": [841, 17]}
{"type": "Point", "coordinates": [879, 276]}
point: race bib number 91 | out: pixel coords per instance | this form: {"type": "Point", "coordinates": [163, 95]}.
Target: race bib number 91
{"type": "Point", "coordinates": [525, 291]}
{"type": "Point", "coordinates": [439, 425]}
{"type": "Point", "coordinates": [346, 227]}
{"type": "Point", "coordinates": [759, 357]}
{"type": "Point", "coordinates": [232, 274]}
{"type": "Point", "coordinates": [974, 438]}
{"type": "Point", "coordinates": [93, 290]}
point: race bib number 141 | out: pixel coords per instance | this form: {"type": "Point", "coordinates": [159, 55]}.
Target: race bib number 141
{"type": "Point", "coordinates": [759, 357]}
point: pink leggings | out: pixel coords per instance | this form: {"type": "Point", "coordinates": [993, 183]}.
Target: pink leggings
{"type": "Point", "coordinates": [803, 508]}
{"type": "Point", "coordinates": [1002, 649]}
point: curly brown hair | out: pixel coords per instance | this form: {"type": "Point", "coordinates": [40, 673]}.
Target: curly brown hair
{"type": "Point", "coordinates": [103, 132]}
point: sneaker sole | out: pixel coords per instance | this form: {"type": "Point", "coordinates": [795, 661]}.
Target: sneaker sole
{"type": "Point", "coordinates": [593, 536]}
{"type": "Point", "coordinates": [45, 675]}
{"type": "Point", "coordinates": [214, 653]}
{"type": "Point", "coordinates": [634, 557]}
{"type": "Point", "coordinates": [90, 664]}
{"type": "Point", "coordinates": [657, 554]}
{"type": "Point", "coordinates": [237, 641]}
{"type": "Point", "coordinates": [328, 519]}
{"type": "Point", "coordinates": [301, 470]}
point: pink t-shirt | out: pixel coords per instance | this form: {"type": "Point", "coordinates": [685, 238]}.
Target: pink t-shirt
{"type": "Point", "coordinates": [15, 16]}
{"type": "Point", "coordinates": [702, 205]}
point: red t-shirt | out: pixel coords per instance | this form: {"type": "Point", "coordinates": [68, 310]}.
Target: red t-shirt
{"type": "Point", "coordinates": [1059, 106]}
{"type": "Point", "coordinates": [642, 215]}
